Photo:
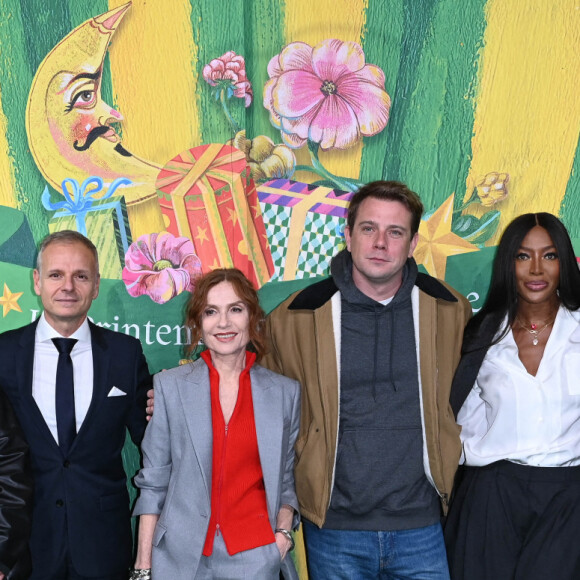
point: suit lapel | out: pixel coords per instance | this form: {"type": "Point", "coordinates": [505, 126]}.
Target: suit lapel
{"type": "Point", "coordinates": [268, 416]}
{"type": "Point", "coordinates": [26, 367]}
{"type": "Point", "coordinates": [196, 403]}
{"type": "Point", "coordinates": [101, 363]}
{"type": "Point", "coordinates": [25, 371]}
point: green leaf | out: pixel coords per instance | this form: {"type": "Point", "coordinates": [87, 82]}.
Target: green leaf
{"type": "Point", "coordinates": [476, 230]}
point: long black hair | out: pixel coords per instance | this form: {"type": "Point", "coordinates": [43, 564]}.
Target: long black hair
{"type": "Point", "coordinates": [502, 298]}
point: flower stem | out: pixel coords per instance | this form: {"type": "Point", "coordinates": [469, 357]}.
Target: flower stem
{"type": "Point", "coordinates": [474, 197]}
{"type": "Point", "coordinates": [224, 102]}
{"type": "Point", "coordinates": [342, 183]}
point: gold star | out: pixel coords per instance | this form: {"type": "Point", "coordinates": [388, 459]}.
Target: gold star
{"type": "Point", "coordinates": [201, 235]}
{"type": "Point", "coordinates": [9, 301]}
{"type": "Point", "coordinates": [215, 265]}
{"type": "Point", "coordinates": [437, 242]}
{"type": "Point", "coordinates": [233, 217]}
{"type": "Point", "coordinates": [257, 210]}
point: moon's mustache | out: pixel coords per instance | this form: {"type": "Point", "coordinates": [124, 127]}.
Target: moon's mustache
{"type": "Point", "coordinates": [92, 137]}
{"type": "Point", "coordinates": [121, 150]}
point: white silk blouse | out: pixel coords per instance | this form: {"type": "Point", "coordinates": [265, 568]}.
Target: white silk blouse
{"type": "Point", "coordinates": [510, 414]}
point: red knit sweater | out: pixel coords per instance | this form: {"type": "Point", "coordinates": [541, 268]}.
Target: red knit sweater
{"type": "Point", "coordinates": [238, 497]}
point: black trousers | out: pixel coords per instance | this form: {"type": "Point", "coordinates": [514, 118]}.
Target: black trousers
{"type": "Point", "coordinates": [515, 522]}
{"type": "Point", "coordinates": [66, 571]}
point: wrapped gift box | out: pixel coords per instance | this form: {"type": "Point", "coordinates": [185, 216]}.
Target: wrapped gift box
{"type": "Point", "coordinates": [104, 220]}
{"type": "Point", "coordinates": [305, 226]}
{"type": "Point", "coordinates": [207, 195]}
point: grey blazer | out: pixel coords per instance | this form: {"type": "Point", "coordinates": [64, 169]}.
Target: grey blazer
{"type": "Point", "coordinates": [175, 481]}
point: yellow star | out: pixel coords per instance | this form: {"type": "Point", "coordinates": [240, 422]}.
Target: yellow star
{"type": "Point", "coordinates": [201, 235]}
{"type": "Point", "coordinates": [257, 210]}
{"type": "Point", "coordinates": [215, 265]}
{"type": "Point", "coordinates": [437, 242]}
{"type": "Point", "coordinates": [9, 301]}
{"type": "Point", "coordinates": [233, 217]}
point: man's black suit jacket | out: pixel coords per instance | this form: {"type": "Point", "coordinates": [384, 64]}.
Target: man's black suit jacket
{"type": "Point", "coordinates": [81, 502]}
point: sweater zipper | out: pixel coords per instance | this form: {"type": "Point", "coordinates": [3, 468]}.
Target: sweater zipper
{"type": "Point", "coordinates": [220, 482]}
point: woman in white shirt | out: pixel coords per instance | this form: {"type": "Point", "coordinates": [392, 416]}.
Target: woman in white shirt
{"type": "Point", "coordinates": [516, 510]}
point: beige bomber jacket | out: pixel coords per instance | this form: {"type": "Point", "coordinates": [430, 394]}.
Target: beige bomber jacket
{"type": "Point", "coordinates": [304, 333]}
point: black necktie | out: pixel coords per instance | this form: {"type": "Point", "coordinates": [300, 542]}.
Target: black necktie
{"type": "Point", "coordinates": [65, 394]}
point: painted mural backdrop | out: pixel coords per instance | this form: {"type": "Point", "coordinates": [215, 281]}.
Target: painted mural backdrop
{"type": "Point", "coordinates": [184, 135]}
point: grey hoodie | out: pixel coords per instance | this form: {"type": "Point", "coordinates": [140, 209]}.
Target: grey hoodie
{"type": "Point", "coordinates": [380, 481]}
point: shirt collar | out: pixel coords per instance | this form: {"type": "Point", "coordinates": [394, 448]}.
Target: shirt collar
{"type": "Point", "coordinates": [250, 360]}
{"type": "Point", "coordinates": [45, 332]}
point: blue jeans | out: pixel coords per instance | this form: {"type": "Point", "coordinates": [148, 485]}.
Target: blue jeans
{"type": "Point", "coordinates": [417, 554]}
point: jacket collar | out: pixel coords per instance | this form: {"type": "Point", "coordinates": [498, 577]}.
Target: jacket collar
{"type": "Point", "coordinates": [318, 294]}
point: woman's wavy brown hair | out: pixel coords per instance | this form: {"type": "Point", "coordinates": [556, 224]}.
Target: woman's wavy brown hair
{"type": "Point", "coordinates": [245, 292]}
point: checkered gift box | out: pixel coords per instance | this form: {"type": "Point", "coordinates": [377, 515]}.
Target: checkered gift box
{"type": "Point", "coordinates": [304, 224]}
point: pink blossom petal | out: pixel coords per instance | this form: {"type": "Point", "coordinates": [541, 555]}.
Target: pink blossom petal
{"type": "Point", "coordinates": [192, 265]}
{"type": "Point", "coordinates": [131, 280]}
{"type": "Point", "coordinates": [295, 56]}
{"type": "Point", "coordinates": [229, 75]}
{"type": "Point", "coordinates": [216, 65]}
{"type": "Point", "coordinates": [274, 69]}
{"type": "Point", "coordinates": [268, 88]}
{"type": "Point", "coordinates": [300, 126]}
{"type": "Point", "coordinates": [370, 104]}
{"type": "Point", "coordinates": [207, 74]}
{"type": "Point", "coordinates": [166, 285]}
{"type": "Point", "coordinates": [244, 90]}
{"type": "Point", "coordinates": [333, 58]}
{"type": "Point", "coordinates": [235, 67]}
{"type": "Point", "coordinates": [371, 74]}
{"type": "Point", "coordinates": [228, 55]}
{"type": "Point", "coordinates": [335, 125]}
{"type": "Point", "coordinates": [171, 248]}
{"type": "Point", "coordinates": [139, 255]}
{"type": "Point", "coordinates": [296, 93]}
{"type": "Point", "coordinates": [292, 140]}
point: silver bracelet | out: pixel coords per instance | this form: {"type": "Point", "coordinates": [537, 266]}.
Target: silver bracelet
{"type": "Point", "coordinates": [140, 574]}
{"type": "Point", "coordinates": [288, 535]}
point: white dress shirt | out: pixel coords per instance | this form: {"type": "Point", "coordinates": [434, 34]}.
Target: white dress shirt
{"type": "Point", "coordinates": [510, 414]}
{"type": "Point", "coordinates": [44, 374]}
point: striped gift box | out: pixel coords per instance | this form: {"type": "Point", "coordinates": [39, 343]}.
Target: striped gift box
{"type": "Point", "coordinates": [207, 195]}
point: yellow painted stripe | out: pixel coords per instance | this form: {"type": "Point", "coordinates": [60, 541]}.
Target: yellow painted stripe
{"type": "Point", "coordinates": [154, 82]}
{"type": "Point", "coordinates": [312, 22]}
{"type": "Point", "coordinates": [7, 193]}
{"type": "Point", "coordinates": [527, 118]}
{"type": "Point", "coordinates": [215, 223]}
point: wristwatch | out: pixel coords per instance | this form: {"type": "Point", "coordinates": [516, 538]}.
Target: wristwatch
{"type": "Point", "coordinates": [288, 536]}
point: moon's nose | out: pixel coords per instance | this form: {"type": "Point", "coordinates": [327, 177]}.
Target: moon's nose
{"type": "Point", "coordinates": [108, 120]}
{"type": "Point", "coordinates": [116, 114]}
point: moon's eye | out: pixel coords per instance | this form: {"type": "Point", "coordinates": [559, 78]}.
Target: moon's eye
{"type": "Point", "coordinates": [85, 97]}
{"type": "Point", "coordinates": [82, 100]}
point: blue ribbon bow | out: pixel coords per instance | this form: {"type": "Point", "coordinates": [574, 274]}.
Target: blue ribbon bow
{"type": "Point", "coordinates": [80, 200]}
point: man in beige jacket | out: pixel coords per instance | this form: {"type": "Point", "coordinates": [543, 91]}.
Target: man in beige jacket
{"type": "Point", "coordinates": [375, 348]}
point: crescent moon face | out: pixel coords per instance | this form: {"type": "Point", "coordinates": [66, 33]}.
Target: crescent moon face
{"type": "Point", "coordinates": [71, 130]}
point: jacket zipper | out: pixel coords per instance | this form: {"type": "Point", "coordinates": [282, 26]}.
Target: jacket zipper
{"type": "Point", "coordinates": [220, 482]}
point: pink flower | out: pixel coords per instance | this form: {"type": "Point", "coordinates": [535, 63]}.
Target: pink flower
{"type": "Point", "coordinates": [161, 266]}
{"type": "Point", "coordinates": [229, 72]}
{"type": "Point", "coordinates": [326, 94]}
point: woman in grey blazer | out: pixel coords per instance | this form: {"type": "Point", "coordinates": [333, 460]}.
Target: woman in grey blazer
{"type": "Point", "coordinates": [217, 487]}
